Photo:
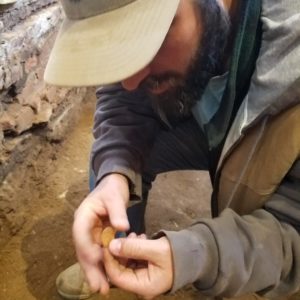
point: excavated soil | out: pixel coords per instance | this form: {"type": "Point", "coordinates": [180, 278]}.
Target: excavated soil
{"type": "Point", "coordinates": [40, 197]}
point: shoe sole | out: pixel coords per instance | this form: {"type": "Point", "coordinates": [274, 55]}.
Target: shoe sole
{"type": "Point", "coordinates": [73, 297]}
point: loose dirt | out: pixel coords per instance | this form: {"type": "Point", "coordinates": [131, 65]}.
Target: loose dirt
{"type": "Point", "coordinates": [40, 199]}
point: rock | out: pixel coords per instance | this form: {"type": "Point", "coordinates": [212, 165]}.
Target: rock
{"type": "Point", "coordinates": [7, 122]}
{"type": "Point", "coordinates": [30, 94]}
{"type": "Point", "coordinates": [33, 100]}
{"type": "Point", "coordinates": [23, 116]}
{"type": "Point", "coordinates": [55, 95]}
{"type": "Point", "coordinates": [44, 114]}
{"type": "Point", "coordinates": [25, 119]}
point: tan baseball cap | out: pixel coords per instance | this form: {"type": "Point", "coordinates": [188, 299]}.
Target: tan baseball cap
{"type": "Point", "coordinates": [106, 41]}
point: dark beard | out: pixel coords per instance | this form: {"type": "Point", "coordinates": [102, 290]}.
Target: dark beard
{"type": "Point", "coordinates": [176, 103]}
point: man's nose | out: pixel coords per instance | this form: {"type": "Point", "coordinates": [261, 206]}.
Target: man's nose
{"type": "Point", "coordinates": [133, 82]}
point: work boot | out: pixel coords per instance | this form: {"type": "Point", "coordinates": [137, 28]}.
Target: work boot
{"type": "Point", "coordinates": [71, 284]}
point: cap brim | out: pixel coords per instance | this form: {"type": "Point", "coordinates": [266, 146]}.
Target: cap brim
{"type": "Point", "coordinates": [4, 2]}
{"type": "Point", "coordinates": [110, 47]}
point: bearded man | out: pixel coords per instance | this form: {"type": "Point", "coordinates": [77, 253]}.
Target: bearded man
{"type": "Point", "coordinates": [199, 85]}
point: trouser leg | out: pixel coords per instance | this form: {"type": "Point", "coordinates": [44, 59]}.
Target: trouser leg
{"type": "Point", "coordinates": [181, 148]}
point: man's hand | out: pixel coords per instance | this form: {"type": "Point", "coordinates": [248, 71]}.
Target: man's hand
{"type": "Point", "coordinates": [106, 204]}
{"type": "Point", "coordinates": [153, 274]}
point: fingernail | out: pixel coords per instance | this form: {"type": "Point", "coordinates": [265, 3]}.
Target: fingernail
{"type": "Point", "coordinates": [115, 246]}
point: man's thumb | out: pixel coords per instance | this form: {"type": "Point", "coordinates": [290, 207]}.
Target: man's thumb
{"type": "Point", "coordinates": [117, 215]}
{"type": "Point", "coordinates": [138, 249]}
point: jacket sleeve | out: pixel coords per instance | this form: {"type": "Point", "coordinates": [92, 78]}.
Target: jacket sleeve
{"type": "Point", "coordinates": [233, 255]}
{"type": "Point", "coordinates": [124, 129]}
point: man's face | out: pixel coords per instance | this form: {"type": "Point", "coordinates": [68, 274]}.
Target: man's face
{"type": "Point", "coordinates": [191, 54]}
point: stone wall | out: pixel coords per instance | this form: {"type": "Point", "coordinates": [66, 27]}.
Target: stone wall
{"type": "Point", "coordinates": [30, 110]}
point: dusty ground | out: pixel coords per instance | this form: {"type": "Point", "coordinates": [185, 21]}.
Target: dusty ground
{"type": "Point", "coordinates": [40, 201]}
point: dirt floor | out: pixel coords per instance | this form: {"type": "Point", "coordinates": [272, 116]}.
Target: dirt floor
{"type": "Point", "coordinates": [41, 197]}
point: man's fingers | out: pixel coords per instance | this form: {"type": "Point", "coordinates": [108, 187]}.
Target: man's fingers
{"type": "Point", "coordinates": [114, 190]}
{"type": "Point", "coordinates": [107, 202]}
{"type": "Point", "coordinates": [142, 236]}
{"type": "Point", "coordinates": [121, 276]}
{"type": "Point", "coordinates": [86, 218]}
{"type": "Point", "coordinates": [96, 279]}
{"type": "Point", "coordinates": [139, 249]}
{"type": "Point", "coordinates": [87, 229]}
{"type": "Point", "coordinates": [156, 274]}
{"type": "Point", "coordinates": [132, 235]}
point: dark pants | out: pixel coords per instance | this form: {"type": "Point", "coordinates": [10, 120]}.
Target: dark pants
{"type": "Point", "coordinates": [183, 147]}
